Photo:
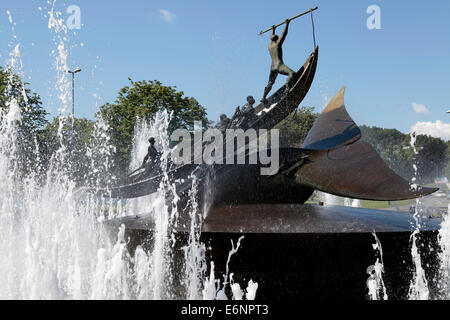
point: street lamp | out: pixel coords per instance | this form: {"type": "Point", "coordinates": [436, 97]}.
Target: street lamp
{"type": "Point", "coordinates": [73, 88]}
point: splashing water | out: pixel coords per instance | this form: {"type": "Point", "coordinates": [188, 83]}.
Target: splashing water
{"type": "Point", "coordinates": [194, 251]}
{"type": "Point", "coordinates": [418, 289]}
{"type": "Point", "coordinates": [329, 199]}
{"type": "Point", "coordinates": [158, 282]}
{"type": "Point", "coordinates": [347, 202]}
{"type": "Point", "coordinates": [356, 203]}
{"type": "Point", "coordinates": [157, 277]}
{"type": "Point", "coordinates": [56, 24]}
{"type": "Point", "coordinates": [54, 245]}
{"type": "Point", "coordinates": [375, 283]}
{"type": "Point", "coordinates": [444, 257]}
{"type": "Point", "coordinates": [221, 295]}
{"type": "Point", "coordinates": [212, 287]}
{"type": "Point", "coordinates": [49, 241]}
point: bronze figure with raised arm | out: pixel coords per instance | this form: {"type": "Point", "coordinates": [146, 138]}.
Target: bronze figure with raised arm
{"type": "Point", "coordinates": [278, 66]}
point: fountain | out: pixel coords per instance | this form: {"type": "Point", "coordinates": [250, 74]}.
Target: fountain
{"type": "Point", "coordinates": [163, 239]}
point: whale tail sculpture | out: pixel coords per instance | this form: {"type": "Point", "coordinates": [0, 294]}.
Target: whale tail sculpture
{"type": "Point", "coordinates": [341, 164]}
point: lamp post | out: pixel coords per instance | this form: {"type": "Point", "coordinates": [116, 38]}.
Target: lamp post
{"type": "Point", "coordinates": [73, 88]}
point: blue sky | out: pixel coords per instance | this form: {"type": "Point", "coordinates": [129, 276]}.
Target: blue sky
{"type": "Point", "coordinates": [210, 50]}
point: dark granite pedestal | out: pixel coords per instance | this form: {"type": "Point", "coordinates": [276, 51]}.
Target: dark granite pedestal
{"type": "Point", "coordinates": [308, 251]}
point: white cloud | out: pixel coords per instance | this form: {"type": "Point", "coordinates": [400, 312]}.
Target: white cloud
{"type": "Point", "coordinates": [420, 108]}
{"type": "Point", "coordinates": [436, 129]}
{"type": "Point", "coordinates": [167, 15]}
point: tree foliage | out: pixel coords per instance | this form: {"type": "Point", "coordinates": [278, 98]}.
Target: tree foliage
{"type": "Point", "coordinates": [382, 139]}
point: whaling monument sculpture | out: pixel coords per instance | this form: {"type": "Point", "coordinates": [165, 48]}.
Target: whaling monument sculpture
{"type": "Point", "coordinates": [292, 249]}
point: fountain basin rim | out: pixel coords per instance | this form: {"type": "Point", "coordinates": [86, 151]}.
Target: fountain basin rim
{"type": "Point", "coordinates": [289, 219]}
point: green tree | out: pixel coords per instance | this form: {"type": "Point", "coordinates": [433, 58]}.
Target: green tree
{"type": "Point", "coordinates": [400, 159]}
{"type": "Point", "coordinates": [143, 99]}
{"type": "Point", "coordinates": [394, 147]}
{"type": "Point", "coordinates": [382, 139]}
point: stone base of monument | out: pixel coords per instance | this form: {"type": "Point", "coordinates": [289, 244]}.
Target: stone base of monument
{"type": "Point", "coordinates": [308, 251]}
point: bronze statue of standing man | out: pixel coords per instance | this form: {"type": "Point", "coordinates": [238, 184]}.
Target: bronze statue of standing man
{"type": "Point", "coordinates": [278, 66]}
